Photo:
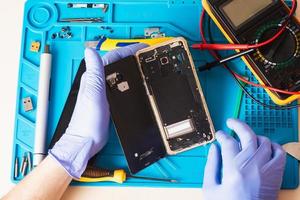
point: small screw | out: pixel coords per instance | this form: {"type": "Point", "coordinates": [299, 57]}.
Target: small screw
{"type": "Point", "coordinates": [54, 35]}
{"type": "Point", "coordinates": [60, 36]}
{"type": "Point", "coordinates": [65, 29]}
{"type": "Point", "coordinates": [68, 35]}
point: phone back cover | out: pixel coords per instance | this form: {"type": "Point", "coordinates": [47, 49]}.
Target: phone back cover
{"type": "Point", "coordinates": [132, 115]}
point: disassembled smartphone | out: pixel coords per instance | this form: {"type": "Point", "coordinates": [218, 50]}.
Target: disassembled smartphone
{"type": "Point", "coordinates": [157, 103]}
{"type": "Point", "coordinates": [175, 95]}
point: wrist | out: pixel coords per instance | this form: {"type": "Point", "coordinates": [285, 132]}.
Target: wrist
{"type": "Point", "coordinates": [72, 152]}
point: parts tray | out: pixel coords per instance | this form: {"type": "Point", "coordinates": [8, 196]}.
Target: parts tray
{"type": "Point", "coordinates": [128, 19]}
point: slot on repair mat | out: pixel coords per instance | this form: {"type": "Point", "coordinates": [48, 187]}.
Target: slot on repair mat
{"type": "Point", "coordinates": [177, 99]}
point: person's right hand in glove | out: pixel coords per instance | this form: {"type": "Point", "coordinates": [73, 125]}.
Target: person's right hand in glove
{"type": "Point", "coordinates": [249, 169]}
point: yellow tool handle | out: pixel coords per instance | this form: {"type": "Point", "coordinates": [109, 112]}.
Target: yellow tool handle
{"type": "Point", "coordinates": [109, 44]}
{"type": "Point", "coordinates": [100, 175]}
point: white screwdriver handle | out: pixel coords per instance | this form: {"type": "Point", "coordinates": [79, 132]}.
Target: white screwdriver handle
{"type": "Point", "coordinates": [39, 152]}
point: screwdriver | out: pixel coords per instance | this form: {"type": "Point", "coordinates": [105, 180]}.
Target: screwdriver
{"type": "Point", "coordinates": [92, 174]}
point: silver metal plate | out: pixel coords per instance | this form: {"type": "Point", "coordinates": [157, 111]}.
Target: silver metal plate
{"type": "Point", "coordinates": [180, 128]}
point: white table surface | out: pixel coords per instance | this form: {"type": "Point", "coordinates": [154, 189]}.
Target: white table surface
{"type": "Point", "coordinates": [11, 16]}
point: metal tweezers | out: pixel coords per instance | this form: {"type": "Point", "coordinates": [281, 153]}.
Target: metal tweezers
{"type": "Point", "coordinates": [84, 20]}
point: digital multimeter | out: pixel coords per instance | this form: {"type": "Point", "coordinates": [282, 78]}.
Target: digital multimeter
{"type": "Point", "coordinates": [244, 22]}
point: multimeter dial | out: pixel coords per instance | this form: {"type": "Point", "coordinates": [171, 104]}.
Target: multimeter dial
{"type": "Point", "coordinates": [256, 21]}
{"type": "Point", "coordinates": [283, 51]}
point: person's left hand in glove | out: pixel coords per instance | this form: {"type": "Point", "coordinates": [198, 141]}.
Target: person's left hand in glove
{"type": "Point", "coordinates": [86, 134]}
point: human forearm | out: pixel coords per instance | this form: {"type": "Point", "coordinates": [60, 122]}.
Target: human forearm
{"type": "Point", "coordinates": [86, 134]}
{"type": "Point", "coordinates": [48, 181]}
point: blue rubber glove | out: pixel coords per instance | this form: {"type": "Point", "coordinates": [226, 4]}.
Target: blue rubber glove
{"type": "Point", "coordinates": [251, 169]}
{"type": "Point", "coordinates": [87, 132]}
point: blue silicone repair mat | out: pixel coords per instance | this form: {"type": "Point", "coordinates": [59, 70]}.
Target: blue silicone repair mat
{"type": "Point", "coordinates": [129, 19]}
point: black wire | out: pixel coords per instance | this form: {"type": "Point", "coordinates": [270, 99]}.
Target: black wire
{"type": "Point", "coordinates": [256, 100]}
{"type": "Point", "coordinates": [209, 24]}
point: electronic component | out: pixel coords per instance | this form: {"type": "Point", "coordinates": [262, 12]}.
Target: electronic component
{"type": "Point", "coordinates": [153, 32]}
{"type": "Point", "coordinates": [254, 22]}
{"type": "Point", "coordinates": [180, 128]}
{"type": "Point", "coordinates": [27, 104]}
{"type": "Point", "coordinates": [35, 46]}
{"type": "Point", "coordinates": [123, 86]}
{"type": "Point", "coordinates": [114, 80]}
{"type": "Point", "coordinates": [164, 60]}
{"type": "Point", "coordinates": [176, 96]}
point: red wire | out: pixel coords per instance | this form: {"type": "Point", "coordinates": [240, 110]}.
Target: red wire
{"type": "Point", "coordinates": [234, 73]}
{"type": "Point", "coordinates": [265, 86]}
{"type": "Point", "coordinates": [246, 46]}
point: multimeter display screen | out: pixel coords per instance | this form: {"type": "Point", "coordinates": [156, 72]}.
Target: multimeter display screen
{"type": "Point", "coordinates": [239, 11]}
